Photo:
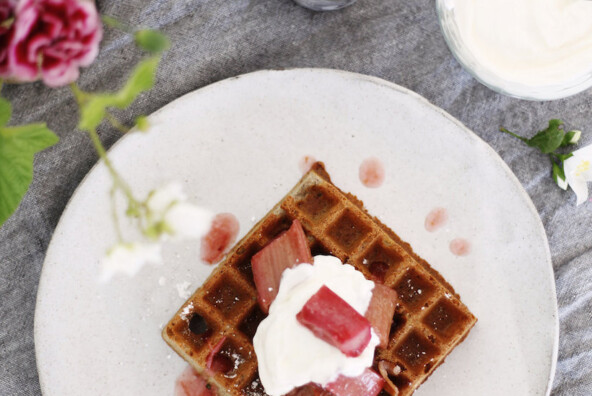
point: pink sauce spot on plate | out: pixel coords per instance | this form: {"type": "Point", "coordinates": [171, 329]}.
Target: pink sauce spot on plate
{"type": "Point", "coordinates": [372, 172]}
{"type": "Point", "coordinates": [460, 247]}
{"type": "Point", "coordinates": [436, 219]}
{"type": "Point", "coordinates": [217, 241]}
{"type": "Point", "coordinates": [190, 383]}
{"type": "Point", "coordinates": [306, 163]}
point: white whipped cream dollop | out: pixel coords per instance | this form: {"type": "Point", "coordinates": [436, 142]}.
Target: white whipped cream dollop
{"type": "Point", "coordinates": [290, 355]}
{"type": "Point", "coordinates": [531, 42]}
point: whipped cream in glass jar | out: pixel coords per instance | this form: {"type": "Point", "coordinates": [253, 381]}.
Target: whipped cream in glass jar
{"type": "Point", "coordinates": [531, 49]}
{"type": "Point", "coordinates": [325, 5]}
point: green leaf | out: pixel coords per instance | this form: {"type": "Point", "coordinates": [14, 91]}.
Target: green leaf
{"type": "Point", "coordinates": [142, 79]}
{"type": "Point", "coordinates": [30, 138]}
{"type": "Point", "coordinates": [92, 111]}
{"type": "Point", "coordinates": [18, 146]}
{"type": "Point", "coordinates": [5, 111]}
{"type": "Point", "coordinates": [142, 123]}
{"type": "Point", "coordinates": [152, 41]}
{"type": "Point", "coordinates": [563, 157]}
{"type": "Point", "coordinates": [550, 139]}
{"type": "Point", "coordinates": [559, 176]}
{"type": "Point", "coordinates": [571, 137]}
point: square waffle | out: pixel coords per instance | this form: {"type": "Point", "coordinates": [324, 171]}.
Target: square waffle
{"type": "Point", "coordinates": [430, 320]}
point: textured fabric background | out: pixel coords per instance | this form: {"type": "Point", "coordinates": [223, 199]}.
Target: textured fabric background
{"type": "Point", "coordinates": [397, 40]}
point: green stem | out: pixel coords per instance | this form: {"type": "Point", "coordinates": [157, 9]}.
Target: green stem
{"type": "Point", "coordinates": [117, 180]}
{"type": "Point", "coordinates": [1, 84]}
{"type": "Point", "coordinates": [553, 158]}
{"type": "Point", "coordinates": [502, 129]}
{"type": "Point", "coordinates": [116, 24]}
{"type": "Point", "coordinates": [134, 205]}
{"type": "Point", "coordinates": [115, 122]}
{"type": "Point", "coordinates": [79, 95]}
{"type": "Point", "coordinates": [115, 215]}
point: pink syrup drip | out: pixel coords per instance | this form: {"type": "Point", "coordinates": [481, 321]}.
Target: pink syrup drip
{"type": "Point", "coordinates": [460, 247]}
{"type": "Point", "coordinates": [372, 172]}
{"type": "Point", "coordinates": [436, 219]}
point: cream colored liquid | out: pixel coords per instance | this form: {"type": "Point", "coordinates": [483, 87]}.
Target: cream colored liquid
{"type": "Point", "coordinates": [531, 42]}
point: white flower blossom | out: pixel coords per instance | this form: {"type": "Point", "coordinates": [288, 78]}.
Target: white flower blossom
{"type": "Point", "coordinates": [160, 200]}
{"type": "Point", "coordinates": [188, 221]}
{"type": "Point", "coordinates": [129, 258]}
{"type": "Point", "coordinates": [578, 172]}
{"type": "Point", "coordinates": [182, 219]}
{"type": "Point", "coordinates": [168, 215]}
{"type": "Point", "coordinates": [576, 137]}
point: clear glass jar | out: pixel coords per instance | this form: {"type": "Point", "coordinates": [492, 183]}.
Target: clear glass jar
{"type": "Point", "coordinates": [490, 79]}
{"type": "Point", "coordinates": [324, 5]}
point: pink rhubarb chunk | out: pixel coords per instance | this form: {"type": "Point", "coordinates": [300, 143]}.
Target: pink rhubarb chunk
{"type": "Point", "coordinates": [381, 311]}
{"type": "Point", "coordinates": [190, 383]}
{"type": "Point", "coordinates": [369, 383]}
{"type": "Point", "coordinates": [286, 251]}
{"type": "Point", "coordinates": [333, 320]}
{"type": "Point", "coordinates": [217, 364]}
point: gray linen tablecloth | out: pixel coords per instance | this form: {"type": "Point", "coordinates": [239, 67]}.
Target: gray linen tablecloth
{"type": "Point", "coordinates": [396, 40]}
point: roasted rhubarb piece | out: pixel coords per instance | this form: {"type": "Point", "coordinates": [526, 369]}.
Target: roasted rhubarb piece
{"type": "Point", "coordinates": [333, 320]}
{"type": "Point", "coordinates": [369, 383]}
{"type": "Point", "coordinates": [214, 363]}
{"type": "Point", "coordinates": [386, 370]}
{"type": "Point", "coordinates": [381, 311]}
{"type": "Point", "coordinates": [190, 383]}
{"type": "Point", "coordinates": [286, 251]}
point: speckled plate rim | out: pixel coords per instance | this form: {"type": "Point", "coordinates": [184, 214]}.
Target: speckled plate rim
{"type": "Point", "coordinates": [354, 76]}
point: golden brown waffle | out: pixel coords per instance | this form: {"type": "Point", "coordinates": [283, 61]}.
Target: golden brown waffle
{"type": "Point", "coordinates": [430, 319]}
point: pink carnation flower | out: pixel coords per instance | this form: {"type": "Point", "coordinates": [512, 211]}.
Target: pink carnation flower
{"type": "Point", "coordinates": [52, 39]}
{"type": "Point", "coordinates": [6, 13]}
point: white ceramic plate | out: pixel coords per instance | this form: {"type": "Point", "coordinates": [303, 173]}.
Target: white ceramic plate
{"type": "Point", "coordinates": [236, 146]}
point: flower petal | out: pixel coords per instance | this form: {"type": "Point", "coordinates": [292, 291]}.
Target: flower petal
{"type": "Point", "coordinates": [563, 184]}
{"type": "Point", "coordinates": [580, 187]}
{"type": "Point", "coordinates": [188, 221]}
{"type": "Point", "coordinates": [585, 170]}
{"type": "Point", "coordinates": [59, 74]}
{"type": "Point", "coordinates": [576, 137]}
{"type": "Point", "coordinates": [584, 153]}
{"type": "Point", "coordinates": [160, 200]}
{"type": "Point", "coordinates": [66, 31]}
{"type": "Point", "coordinates": [129, 259]}
{"type": "Point", "coordinates": [578, 171]}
